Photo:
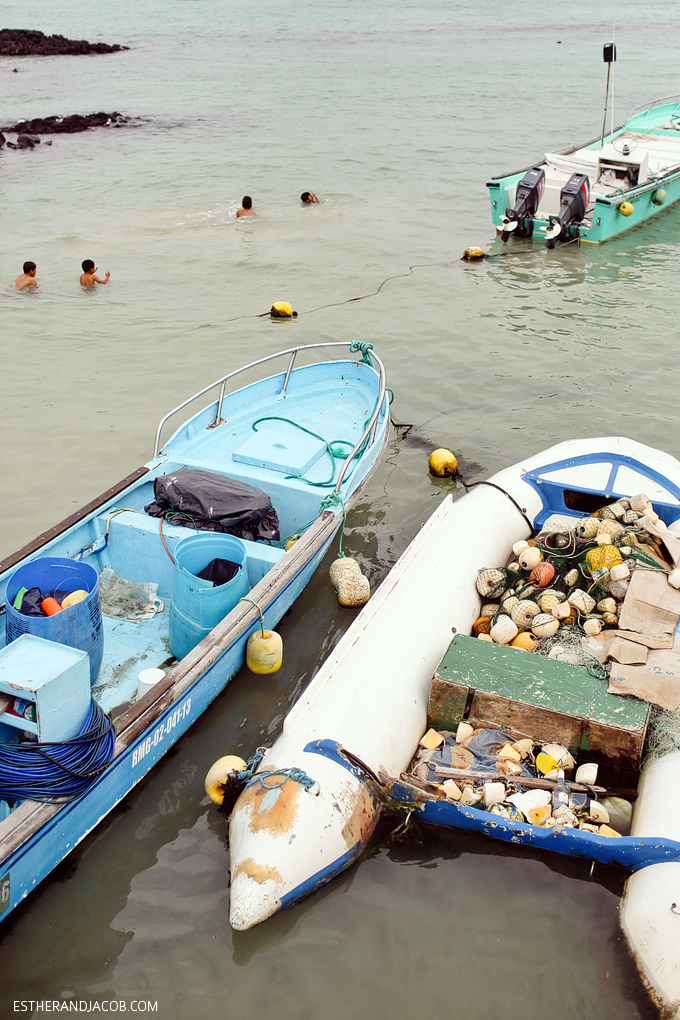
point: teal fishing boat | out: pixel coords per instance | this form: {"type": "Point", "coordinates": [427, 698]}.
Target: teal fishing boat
{"type": "Point", "coordinates": [149, 594]}
{"type": "Point", "coordinates": [596, 191]}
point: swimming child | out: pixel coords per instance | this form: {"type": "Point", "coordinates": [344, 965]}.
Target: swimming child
{"type": "Point", "coordinates": [88, 279]}
{"type": "Point", "coordinates": [309, 198]}
{"type": "Point", "coordinates": [27, 278]}
{"type": "Point", "coordinates": [247, 209]}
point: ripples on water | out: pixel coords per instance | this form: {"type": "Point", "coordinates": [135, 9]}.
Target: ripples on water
{"type": "Point", "coordinates": [396, 114]}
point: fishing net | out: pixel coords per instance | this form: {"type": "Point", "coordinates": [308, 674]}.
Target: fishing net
{"type": "Point", "coordinates": [663, 735]}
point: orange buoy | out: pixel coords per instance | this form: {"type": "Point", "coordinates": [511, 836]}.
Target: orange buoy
{"type": "Point", "coordinates": [50, 607]}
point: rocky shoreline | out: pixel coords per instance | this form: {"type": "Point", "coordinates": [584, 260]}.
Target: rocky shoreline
{"type": "Point", "coordinates": [28, 131]}
{"type": "Point", "coordinates": [19, 42]}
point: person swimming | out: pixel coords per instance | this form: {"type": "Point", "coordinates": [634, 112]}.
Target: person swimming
{"type": "Point", "coordinates": [247, 209]}
{"type": "Point", "coordinates": [88, 279]}
{"type": "Point", "coordinates": [309, 198]}
{"type": "Point", "coordinates": [27, 278]}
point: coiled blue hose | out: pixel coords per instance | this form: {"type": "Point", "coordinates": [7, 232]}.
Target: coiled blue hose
{"type": "Point", "coordinates": [58, 771]}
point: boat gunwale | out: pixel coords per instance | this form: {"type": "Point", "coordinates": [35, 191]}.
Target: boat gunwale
{"type": "Point", "coordinates": [293, 352]}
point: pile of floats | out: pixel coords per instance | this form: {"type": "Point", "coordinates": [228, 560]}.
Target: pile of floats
{"type": "Point", "coordinates": [573, 577]}
{"type": "Point", "coordinates": [525, 780]}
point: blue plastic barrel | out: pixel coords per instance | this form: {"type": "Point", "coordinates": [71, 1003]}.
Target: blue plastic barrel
{"type": "Point", "coordinates": [197, 605]}
{"type": "Point", "coordinates": [80, 626]}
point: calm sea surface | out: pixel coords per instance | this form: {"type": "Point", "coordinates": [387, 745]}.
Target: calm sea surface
{"type": "Point", "coordinates": [395, 113]}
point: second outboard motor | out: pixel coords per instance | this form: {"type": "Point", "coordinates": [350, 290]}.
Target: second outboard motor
{"type": "Point", "coordinates": [573, 203]}
{"type": "Point", "coordinates": [520, 218]}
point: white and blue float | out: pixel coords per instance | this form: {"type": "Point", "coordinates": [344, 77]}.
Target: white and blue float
{"type": "Point", "coordinates": [304, 441]}
{"type": "Point", "coordinates": [314, 798]}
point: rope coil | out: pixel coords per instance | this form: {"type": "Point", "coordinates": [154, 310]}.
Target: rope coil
{"type": "Point", "coordinates": [298, 775]}
{"type": "Point", "coordinates": [28, 771]}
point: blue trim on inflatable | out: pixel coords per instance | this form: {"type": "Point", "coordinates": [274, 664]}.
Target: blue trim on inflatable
{"type": "Point", "coordinates": [552, 492]}
{"type": "Point", "coordinates": [629, 852]}
{"type": "Point", "coordinates": [313, 883]}
{"type": "Point", "coordinates": [333, 750]}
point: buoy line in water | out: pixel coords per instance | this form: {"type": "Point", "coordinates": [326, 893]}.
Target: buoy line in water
{"type": "Point", "coordinates": [472, 254]}
{"type": "Point", "coordinates": [332, 304]}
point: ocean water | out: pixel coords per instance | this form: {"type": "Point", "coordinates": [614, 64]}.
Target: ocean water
{"type": "Point", "coordinates": [396, 113]}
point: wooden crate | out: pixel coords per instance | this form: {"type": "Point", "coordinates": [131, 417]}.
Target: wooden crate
{"type": "Point", "coordinates": [532, 696]}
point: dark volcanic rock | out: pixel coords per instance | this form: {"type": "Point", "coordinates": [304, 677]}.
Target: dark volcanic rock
{"type": "Point", "coordinates": [67, 125]}
{"type": "Point", "coordinates": [24, 142]}
{"type": "Point", "coordinates": [19, 42]}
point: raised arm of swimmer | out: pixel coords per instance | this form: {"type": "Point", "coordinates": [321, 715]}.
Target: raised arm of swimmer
{"type": "Point", "coordinates": [88, 278]}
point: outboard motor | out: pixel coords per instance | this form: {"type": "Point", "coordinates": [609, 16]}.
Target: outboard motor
{"type": "Point", "coordinates": [520, 218]}
{"type": "Point", "coordinates": [573, 203]}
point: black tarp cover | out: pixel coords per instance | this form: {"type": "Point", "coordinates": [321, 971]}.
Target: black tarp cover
{"type": "Point", "coordinates": [211, 502]}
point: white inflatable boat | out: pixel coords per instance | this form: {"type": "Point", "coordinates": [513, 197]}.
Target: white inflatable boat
{"type": "Point", "coordinates": [317, 803]}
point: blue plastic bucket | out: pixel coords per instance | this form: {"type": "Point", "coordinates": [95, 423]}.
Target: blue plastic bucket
{"type": "Point", "coordinates": [197, 605]}
{"type": "Point", "coordinates": [80, 626]}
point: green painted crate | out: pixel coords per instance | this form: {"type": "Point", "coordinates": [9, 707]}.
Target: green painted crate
{"type": "Point", "coordinates": [533, 696]}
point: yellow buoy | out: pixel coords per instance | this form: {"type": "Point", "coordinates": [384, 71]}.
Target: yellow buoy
{"type": "Point", "coordinates": [626, 208]}
{"type": "Point", "coordinates": [290, 542]}
{"type": "Point", "coordinates": [74, 598]}
{"type": "Point", "coordinates": [442, 463]}
{"type": "Point", "coordinates": [525, 640]}
{"type": "Point", "coordinates": [219, 774]}
{"type": "Point", "coordinates": [659, 196]}
{"type": "Point", "coordinates": [264, 651]}
{"type": "Point", "coordinates": [473, 254]}
{"type": "Point", "coordinates": [545, 762]}
{"type": "Point", "coordinates": [604, 556]}
{"type": "Point", "coordinates": [281, 310]}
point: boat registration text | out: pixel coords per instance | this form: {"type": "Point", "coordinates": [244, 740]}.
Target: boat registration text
{"type": "Point", "coordinates": [166, 727]}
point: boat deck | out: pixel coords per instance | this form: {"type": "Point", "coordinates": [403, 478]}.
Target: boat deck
{"type": "Point", "coordinates": [128, 649]}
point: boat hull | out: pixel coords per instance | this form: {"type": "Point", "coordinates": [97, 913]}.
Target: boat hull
{"type": "Point", "coordinates": [607, 220]}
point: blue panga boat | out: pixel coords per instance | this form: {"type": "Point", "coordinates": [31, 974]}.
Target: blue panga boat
{"type": "Point", "coordinates": [309, 438]}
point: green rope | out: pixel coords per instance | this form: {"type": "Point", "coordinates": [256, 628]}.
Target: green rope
{"type": "Point", "coordinates": [326, 504]}
{"type": "Point", "coordinates": [357, 347]}
{"type": "Point", "coordinates": [257, 606]}
{"type": "Point", "coordinates": [331, 449]}
{"type": "Point", "coordinates": [597, 669]}
{"type": "Point", "coordinates": [298, 775]}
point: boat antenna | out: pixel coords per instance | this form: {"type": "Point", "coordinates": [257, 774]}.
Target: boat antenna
{"type": "Point", "coordinates": [609, 56]}
{"type": "Point", "coordinates": [611, 116]}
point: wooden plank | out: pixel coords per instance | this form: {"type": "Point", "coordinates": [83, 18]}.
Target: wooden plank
{"type": "Point", "coordinates": [532, 782]}
{"type": "Point", "coordinates": [74, 518]}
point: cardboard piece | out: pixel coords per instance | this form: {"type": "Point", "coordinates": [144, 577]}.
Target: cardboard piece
{"type": "Point", "coordinates": [651, 606]}
{"type": "Point", "coordinates": [609, 645]}
{"type": "Point", "coordinates": [657, 682]}
{"type": "Point", "coordinates": [663, 641]}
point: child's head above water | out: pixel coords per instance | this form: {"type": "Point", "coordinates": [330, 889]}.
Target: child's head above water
{"type": "Point", "coordinates": [29, 267]}
{"type": "Point", "coordinates": [88, 266]}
